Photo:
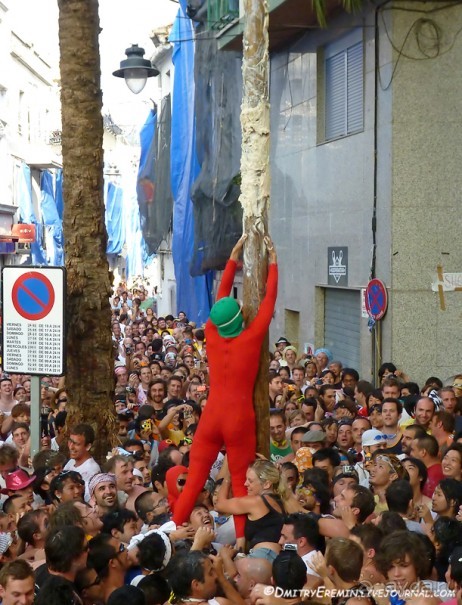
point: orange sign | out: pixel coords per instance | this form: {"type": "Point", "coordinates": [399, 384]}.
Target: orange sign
{"type": "Point", "coordinates": [23, 233]}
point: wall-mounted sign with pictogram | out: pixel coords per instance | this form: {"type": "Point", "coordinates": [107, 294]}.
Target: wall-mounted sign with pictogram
{"type": "Point", "coordinates": [376, 299]}
{"type": "Point", "coordinates": [33, 320]}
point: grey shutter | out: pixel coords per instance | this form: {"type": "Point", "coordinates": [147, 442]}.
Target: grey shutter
{"type": "Point", "coordinates": [355, 99]}
{"type": "Point", "coordinates": [342, 318]}
{"type": "Point", "coordinates": [344, 95]}
{"type": "Point", "coordinates": [335, 96]}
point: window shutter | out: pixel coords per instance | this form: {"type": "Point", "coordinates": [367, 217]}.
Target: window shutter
{"type": "Point", "coordinates": [335, 96]}
{"type": "Point", "coordinates": [355, 111]}
{"type": "Point", "coordinates": [344, 94]}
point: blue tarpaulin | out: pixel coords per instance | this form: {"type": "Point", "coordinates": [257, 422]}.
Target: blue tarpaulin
{"type": "Point", "coordinates": [52, 220]}
{"type": "Point", "coordinates": [146, 181]}
{"type": "Point", "coordinates": [27, 214]}
{"type": "Point", "coordinates": [193, 293]}
{"type": "Point", "coordinates": [59, 193]}
{"type": "Point", "coordinates": [114, 218]}
{"type": "Point", "coordinates": [137, 258]}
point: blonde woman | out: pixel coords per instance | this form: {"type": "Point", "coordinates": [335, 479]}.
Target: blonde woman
{"type": "Point", "coordinates": [290, 356]}
{"type": "Point", "coordinates": [264, 507]}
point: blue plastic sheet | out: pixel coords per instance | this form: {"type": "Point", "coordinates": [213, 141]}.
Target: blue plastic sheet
{"type": "Point", "coordinates": [51, 219]}
{"type": "Point", "coordinates": [193, 293]}
{"type": "Point", "coordinates": [27, 214]}
{"type": "Point", "coordinates": [146, 181]}
{"type": "Point", "coordinates": [59, 193]}
{"type": "Point", "coordinates": [114, 219]}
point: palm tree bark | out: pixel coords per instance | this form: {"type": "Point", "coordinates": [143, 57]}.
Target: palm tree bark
{"type": "Point", "coordinates": [255, 186]}
{"type": "Point", "coordinates": [89, 377]}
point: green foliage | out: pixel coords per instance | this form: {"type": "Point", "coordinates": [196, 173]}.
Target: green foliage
{"type": "Point", "coordinates": [320, 9]}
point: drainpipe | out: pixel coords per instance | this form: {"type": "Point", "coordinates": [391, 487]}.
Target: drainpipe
{"type": "Point", "coordinates": [376, 334]}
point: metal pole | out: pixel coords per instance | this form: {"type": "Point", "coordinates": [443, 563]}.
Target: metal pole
{"type": "Point", "coordinates": [35, 435]}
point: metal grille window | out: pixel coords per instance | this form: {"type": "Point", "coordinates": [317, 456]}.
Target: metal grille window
{"type": "Point", "coordinates": [344, 79]}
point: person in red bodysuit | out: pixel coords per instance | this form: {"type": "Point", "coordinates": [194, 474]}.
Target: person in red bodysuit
{"type": "Point", "coordinates": [229, 418]}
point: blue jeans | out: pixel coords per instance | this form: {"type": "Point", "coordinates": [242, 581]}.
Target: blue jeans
{"type": "Point", "coordinates": [263, 553]}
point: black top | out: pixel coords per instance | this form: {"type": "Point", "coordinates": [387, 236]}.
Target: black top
{"type": "Point", "coordinates": [267, 528]}
{"type": "Point", "coordinates": [396, 449]}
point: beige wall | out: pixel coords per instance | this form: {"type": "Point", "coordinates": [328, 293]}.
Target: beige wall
{"type": "Point", "coordinates": [426, 192]}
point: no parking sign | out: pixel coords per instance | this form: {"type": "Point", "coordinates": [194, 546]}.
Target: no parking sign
{"type": "Point", "coordinates": [33, 320]}
{"type": "Point", "coordinates": [376, 299]}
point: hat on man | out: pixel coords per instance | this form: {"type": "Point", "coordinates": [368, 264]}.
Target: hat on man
{"type": "Point", "coordinates": [314, 437]}
{"type": "Point", "coordinates": [373, 437]}
{"type": "Point", "coordinates": [326, 352]}
{"type": "Point", "coordinates": [226, 315]}
{"type": "Point", "coordinates": [100, 478]}
{"type": "Point", "coordinates": [163, 445]}
{"type": "Point", "coordinates": [17, 480]}
{"type": "Point", "coordinates": [6, 541]}
{"type": "Point", "coordinates": [282, 341]}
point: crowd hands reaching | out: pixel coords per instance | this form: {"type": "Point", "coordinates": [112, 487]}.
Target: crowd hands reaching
{"type": "Point", "coordinates": [358, 503]}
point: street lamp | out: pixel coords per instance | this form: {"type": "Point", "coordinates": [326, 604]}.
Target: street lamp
{"type": "Point", "coordinates": [135, 69]}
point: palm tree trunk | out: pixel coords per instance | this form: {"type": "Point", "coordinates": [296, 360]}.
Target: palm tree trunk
{"type": "Point", "coordinates": [255, 186]}
{"type": "Point", "coordinates": [89, 377]}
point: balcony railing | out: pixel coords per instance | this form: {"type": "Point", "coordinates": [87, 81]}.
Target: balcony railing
{"type": "Point", "coordinates": [222, 12]}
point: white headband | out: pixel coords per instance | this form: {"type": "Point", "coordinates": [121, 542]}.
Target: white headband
{"type": "Point", "coordinates": [232, 319]}
{"type": "Point", "coordinates": [135, 541]}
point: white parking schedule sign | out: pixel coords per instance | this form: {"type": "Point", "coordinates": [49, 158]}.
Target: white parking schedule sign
{"type": "Point", "coordinates": [33, 333]}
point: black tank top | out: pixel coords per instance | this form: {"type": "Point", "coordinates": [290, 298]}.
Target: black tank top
{"type": "Point", "coordinates": [267, 528]}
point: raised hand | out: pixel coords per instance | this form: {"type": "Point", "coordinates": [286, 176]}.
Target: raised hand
{"type": "Point", "coordinates": [236, 251]}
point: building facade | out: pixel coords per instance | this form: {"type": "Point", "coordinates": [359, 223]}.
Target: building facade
{"type": "Point", "coordinates": [29, 113]}
{"type": "Point", "coordinates": [365, 181]}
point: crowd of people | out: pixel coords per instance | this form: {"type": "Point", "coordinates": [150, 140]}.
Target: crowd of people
{"type": "Point", "coordinates": [360, 500]}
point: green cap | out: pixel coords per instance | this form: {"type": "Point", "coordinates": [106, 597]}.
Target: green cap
{"type": "Point", "coordinates": [227, 316]}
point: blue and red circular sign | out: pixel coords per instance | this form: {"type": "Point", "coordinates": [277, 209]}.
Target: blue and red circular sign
{"type": "Point", "coordinates": [376, 299]}
{"type": "Point", "coordinates": [33, 295]}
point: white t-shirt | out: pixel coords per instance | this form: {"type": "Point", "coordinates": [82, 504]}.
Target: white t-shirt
{"type": "Point", "coordinates": [225, 533]}
{"type": "Point", "coordinates": [306, 558]}
{"type": "Point", "coordinates": [216, 466]}
{"type": "Point", "coordinates": [89, 468]}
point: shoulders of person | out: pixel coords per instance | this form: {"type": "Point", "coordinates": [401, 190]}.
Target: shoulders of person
{"type": "Point", "coordinates": [137, 579]}
{"type": "Point", "coordinates": [435, 469]}
{"type": "Point", "coordinates": [41, 575]}
{"type": "Point", "coordinates": [220, 601]}
{"type": "Point", "coordinates": [90, 465]}
{"type": "Point", "coordinates": [406, 421]}
{"type": "Point", "coordinates": [55, 580]}
{"type": "Point", "coordinates": [254, 506]}
{"type": "Point", "coordinates": [89, 468]}
{"type": "Point", "coordinates": [414, 526]}
{"type": "Point", "coordinates": [281, 451]}
{"type": "Point", "coordinates": [56, 583]}
{"type": "Point", "coordinates": [395, 449]}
